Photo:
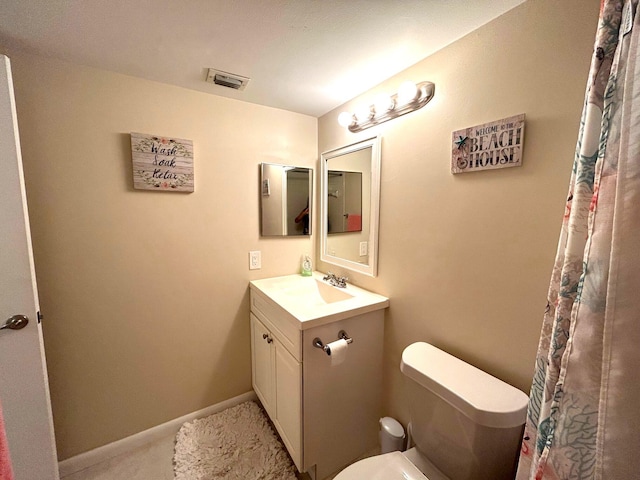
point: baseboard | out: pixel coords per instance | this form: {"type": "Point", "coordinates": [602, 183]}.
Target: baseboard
{"type": "Point", "coordinates": [106, 452]}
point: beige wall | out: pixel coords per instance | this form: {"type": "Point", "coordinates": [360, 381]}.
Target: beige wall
{"type": "Point", "coordinates": [466, 259]}
{"type": "Point", "coordinates": [145, 294]}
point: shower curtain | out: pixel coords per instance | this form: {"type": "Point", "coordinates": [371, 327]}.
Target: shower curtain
{"type": "Point", "coordinates": [583, 420]}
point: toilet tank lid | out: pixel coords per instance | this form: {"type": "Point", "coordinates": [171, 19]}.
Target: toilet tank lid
{"type": "Point", "coordinates": [483, 398]}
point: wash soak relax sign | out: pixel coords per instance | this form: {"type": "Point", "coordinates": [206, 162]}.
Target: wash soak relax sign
{"type": "Point", "coordinates": [162, 163]}
{"type": "Point", "coordinates": [488, 146]}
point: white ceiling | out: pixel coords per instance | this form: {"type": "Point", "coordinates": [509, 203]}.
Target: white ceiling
{"type": "Point", "coordinates": [307, 56]}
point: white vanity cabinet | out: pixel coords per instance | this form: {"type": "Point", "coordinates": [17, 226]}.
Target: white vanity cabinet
{"type": "Point", "coordinates": [327, 415]}
{"type": "Point", "coordinates": [277, 380]}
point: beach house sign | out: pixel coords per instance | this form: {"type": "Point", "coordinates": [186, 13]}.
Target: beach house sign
{"type": "Point", "coordinates": [488, 146]}
{"type": "Point", "coordinates": [162, 163]}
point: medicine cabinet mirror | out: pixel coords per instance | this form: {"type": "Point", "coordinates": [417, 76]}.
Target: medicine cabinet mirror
{"type": "Point", "coordinates": [349, 207]}
{"type": "Point", "coordinates": [285, 194]}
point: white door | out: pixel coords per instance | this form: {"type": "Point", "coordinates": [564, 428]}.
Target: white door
{"type": "Point", "coordinates": [288, 393]}
{"type": "Point", "coordinates": [24, 390]}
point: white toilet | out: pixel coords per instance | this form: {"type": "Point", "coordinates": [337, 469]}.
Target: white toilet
{"type": "Point", "coordinates": [465, 424]}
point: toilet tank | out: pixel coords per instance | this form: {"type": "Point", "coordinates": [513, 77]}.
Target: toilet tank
{"type": "Point", "coordinates": [466, 422]}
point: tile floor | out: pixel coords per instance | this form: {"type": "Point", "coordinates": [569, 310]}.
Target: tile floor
{"type": "Point", "coordinates": [151, 462]}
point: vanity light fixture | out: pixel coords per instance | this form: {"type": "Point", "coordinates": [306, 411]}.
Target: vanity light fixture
{"type": "Point", "coordinates": [410, 97]}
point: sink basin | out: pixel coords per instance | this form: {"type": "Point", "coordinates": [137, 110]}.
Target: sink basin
{"type": "Point", "coordinates": [331, 294]}
{"type": "Point", "coordinates": [317, 292]}
{"type": "Point", "coordinates": [312, 301]}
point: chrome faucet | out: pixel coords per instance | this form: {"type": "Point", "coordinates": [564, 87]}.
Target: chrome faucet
{"type": "Point", "coordinates": [340, 282]}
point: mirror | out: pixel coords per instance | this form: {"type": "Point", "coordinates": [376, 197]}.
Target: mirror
{"type": "Point", "coordinates": [285, 194]}
{"type": "Point", "coordinates": [350, 200]}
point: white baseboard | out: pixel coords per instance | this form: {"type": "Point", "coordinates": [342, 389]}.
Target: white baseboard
{"type": "Point", "coordinates": [106, 452]}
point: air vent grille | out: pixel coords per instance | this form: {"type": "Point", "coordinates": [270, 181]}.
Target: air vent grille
{"type": "Point", "coordinates": [226, 79]}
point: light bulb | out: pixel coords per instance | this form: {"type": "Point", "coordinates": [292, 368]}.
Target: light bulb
{"type": "Point", "coordinates": [345, 119]}
{"type": "Point", "coordinates": [407, 92]}
{"type": "Point", "coordinates": [383, 104]}
{"type": "Point", "coordinates": [363, 113]}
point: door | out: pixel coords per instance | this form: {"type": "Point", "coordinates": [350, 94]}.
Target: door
{"type": "Point", "coordinates": [24, 390]}
{"type": "Point", "coordinates": [262, 364]}
{"type": "Point", "coordinates": [353, 201]}
{"type": "Point", "coordinates": [335, 202]}
{"type": "Point", "coordinates": [288, 393]}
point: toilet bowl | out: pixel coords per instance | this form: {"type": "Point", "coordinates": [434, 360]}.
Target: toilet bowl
{"type": "Point", "coordinates": [466, 424]}
{"type": "Point", "coordinates": [392, 466]}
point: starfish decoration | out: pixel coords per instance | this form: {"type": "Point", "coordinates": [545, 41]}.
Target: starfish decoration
{"type": "Point", "coordinates": [461, 142]}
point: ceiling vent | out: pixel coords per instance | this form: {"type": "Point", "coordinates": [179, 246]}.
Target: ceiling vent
{"type": "Point", "coordinates": [226, 79]}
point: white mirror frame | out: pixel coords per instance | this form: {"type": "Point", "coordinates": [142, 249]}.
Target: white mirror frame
{"type": "Point", "coordinates": [371, 268]}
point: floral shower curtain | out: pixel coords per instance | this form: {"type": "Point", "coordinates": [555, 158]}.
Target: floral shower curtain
{"type": "Point", "coordinates": [583, 420]}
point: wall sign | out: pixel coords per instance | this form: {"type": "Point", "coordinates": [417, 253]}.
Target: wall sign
{"type": "Point", "coordinates": [162, 163]}
{"type": "Point", "coordinates": [488, 146]}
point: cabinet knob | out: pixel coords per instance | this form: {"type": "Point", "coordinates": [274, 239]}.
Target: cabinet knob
{"type": "Point", "coordinates": [267, 338]}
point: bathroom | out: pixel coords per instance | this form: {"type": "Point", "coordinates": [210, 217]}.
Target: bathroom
{"type": "Point", "coordinates": [145, 295]}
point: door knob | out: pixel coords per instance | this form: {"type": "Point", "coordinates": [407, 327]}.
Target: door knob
{"type": "Point", "coordinates": [15, 323]}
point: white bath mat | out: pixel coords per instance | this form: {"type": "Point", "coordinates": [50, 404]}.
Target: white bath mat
{"type": "Point", "coordinates": [235, 444]}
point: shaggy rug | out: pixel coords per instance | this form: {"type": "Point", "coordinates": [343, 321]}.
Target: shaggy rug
{"type": "Point", "coordinates": [235, 444]}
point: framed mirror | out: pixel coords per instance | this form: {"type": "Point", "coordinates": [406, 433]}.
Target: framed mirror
{"type": "Point", "coordinates": [349, 206]}
{"type": "Point", "coordinates": [285, 194]}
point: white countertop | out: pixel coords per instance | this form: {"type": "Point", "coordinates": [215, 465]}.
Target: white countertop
{"type": "Point", "coordinates": [313, 301]}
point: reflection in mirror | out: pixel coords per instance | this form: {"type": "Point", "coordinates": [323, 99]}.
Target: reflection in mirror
{"type": "Point", "coordinates": [285, 194]}
{"type": "Point", "coordinates": [350, 205]}
{"type": "Point", "coordinates": [344, 202]}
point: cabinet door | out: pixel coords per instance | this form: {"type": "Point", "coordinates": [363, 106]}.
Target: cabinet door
{"type": "Point", "coordinates": [262, 365]}
{"type": "Point", "coordinates": [288, 392]}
